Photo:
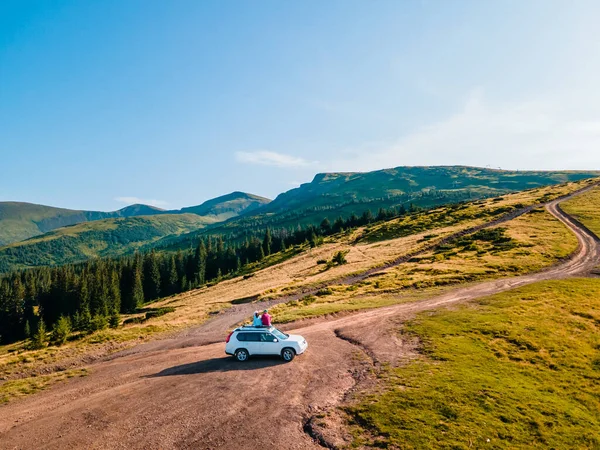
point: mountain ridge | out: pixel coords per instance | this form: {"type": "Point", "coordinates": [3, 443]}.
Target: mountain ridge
{"type": "Point", "coordinates": [239, 216]}
{"type": "Point", "coordinates": [22, 220]}
{"type": "Point", "coordinates": [333, 194]}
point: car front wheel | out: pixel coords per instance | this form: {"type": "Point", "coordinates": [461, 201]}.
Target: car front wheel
{"type": "Point", "coordinates": [288, 354]}
{"type": "Point", "coordinates": [241, 355]}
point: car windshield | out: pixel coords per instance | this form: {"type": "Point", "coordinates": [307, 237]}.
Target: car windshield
{"type": "Point", "coordinates": [278, 334]}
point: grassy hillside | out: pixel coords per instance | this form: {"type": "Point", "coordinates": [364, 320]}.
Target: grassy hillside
{"type": "Point", "coordinates": [114, 237]}
{"type": "Point", "coordinates": [109, 237]}
{"type": "Point", "coordinates": [20, 221]}
{"type": "Point", "coordinates": [227, 206]}
{"type": "Point", "coordinates": [586, 208]}
{"type": "Point", "coordinates": [420, 184]}
{"type": "Point", "coordinates": [497, 375]}
{"type": "Point", "coordinates": [342, 194]}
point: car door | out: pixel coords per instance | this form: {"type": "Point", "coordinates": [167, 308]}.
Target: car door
{"type": "Point", "coordinates": [251, 342]}
{"type": "Point", "coordinates": [269, 344]}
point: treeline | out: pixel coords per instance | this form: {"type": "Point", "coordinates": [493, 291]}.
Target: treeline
{"type": "Point", "coordinates": [91, 296]}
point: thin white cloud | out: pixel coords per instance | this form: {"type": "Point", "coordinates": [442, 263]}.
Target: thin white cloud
{"type": "Point", "coordinates": [267, 158]}
{"type": "Point", "coordinates": [143, 201]}
{"type": "Point", "coordinates": [556, 132]}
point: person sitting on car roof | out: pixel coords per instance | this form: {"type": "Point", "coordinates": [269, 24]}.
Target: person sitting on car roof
{"type": "Point", "coordinates": [256, 320]}
{"type": "Point", "coordinates": [266, 318]}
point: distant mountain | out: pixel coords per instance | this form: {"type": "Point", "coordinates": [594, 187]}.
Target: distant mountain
{"type": "Point", "coordinates": [19, 221]}
{"type": "Point", "coordinates": [138, 210]}
{"type": "Point", "coordinates": [328, 189]}
{"type": "Point", "coordinates": [238, 215]}
{"type": "Point", "coordinates": [131, 228]}
{"type": "Point", "coordinates": [227, 206]}
{"type": "Point", "coordinates": [331, 195]}
{"type": "Point", "coordinates": [107, 237]}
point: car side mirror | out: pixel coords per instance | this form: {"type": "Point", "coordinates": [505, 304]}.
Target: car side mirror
{"type": "Point", "coordinates": [275, 340]}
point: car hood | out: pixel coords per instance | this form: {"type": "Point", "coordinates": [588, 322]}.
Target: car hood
{"type": "Point", "coordinates": [295, 338]}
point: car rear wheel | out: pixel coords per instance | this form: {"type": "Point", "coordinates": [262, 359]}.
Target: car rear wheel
{"type": "Point", "coordinates": [288, 354]}
{"type": "Point", "coordinates": [241, 355]}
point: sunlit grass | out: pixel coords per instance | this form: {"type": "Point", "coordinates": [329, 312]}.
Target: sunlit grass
{"type": "Point", "coordinates": [533, 242]}
{"type": "Point", "coordinates": [517, 370]}
{"type": "Point", "coordinates": [13, 389]}
{"type": "Point", "coordinates": [586, 208]}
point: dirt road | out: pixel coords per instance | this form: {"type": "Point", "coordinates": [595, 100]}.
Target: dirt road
{"type": "Point", "coordinates": [178, 393]}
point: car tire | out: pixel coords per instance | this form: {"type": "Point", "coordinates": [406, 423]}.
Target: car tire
{"type": "Point", "coordinates": [241, 355]}
{"type": "Point", "coordinates": [288, 354]}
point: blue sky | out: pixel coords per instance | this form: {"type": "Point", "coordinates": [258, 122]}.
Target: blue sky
{"type": "Point", "coordinates": [176, 102]}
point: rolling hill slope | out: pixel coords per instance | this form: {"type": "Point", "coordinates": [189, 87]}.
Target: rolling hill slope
{"type": "Point", "coordinates": [407, 183]}
{"type": "Point", "coordinates": [19, 220]}
{"type": "Point", "coordinates": [331, 195]}
{"type": "Point", "coordinates": [226, 206]}
{"type": "Point", "coordinates": [108, 237]}
{"type": "Point", "coordinates": [98, 236]}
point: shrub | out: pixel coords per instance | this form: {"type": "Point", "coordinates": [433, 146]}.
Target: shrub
{"type": "Point", "coordinates": [61, 330]}
{"type": "Point", "coordinates": [308, 300]}
{"type": "Point", "coordinates": [340, 257]}
{"type": "Point", "coordinates": [159, 312]}
{"type": "Point", "coordinates": [132, 320]}
{"type": "Point", "coordinates": [321, 261]}
{"type": "Point", "coordinates": [325, 291]}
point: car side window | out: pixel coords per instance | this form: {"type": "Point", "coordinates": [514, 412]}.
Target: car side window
{"type": "Point", "coordinates": [266, 337]}
{"type": "Point", "coordinates": [249, 337]}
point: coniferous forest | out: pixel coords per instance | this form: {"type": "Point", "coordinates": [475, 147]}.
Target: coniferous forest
{"type": "Point", "coordinates": [91, 296]}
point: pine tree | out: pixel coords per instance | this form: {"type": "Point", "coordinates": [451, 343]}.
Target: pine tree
{"type": "Point", "coordinates": [180, 265]}
{"type": "Point", "coordinates": [137, 293]}
{"type": "Point", "coordinates": [115, 293]}
{"type": "Point", "coordinates": [85, 319]}
{"type": "Point", "coordinates": [39, 338]}
{"type": "Point", "coordinates": [132, 284]}
{"type": "Point", "coordinates": [61, 331]}
{"type": "Point", "coordinates": [99, 297]}
{"type": "Point", "coordinates": [172, 276]}
{"type": "Point", "coordinates": [184, 284]}
{"type": "Point", "coordinates": [325, 226]}
{"type": "Point", "coordinates": [99, 322]}
{"type": "Point", "coordinates": [27, 330]}
{"type": "Point", "coordinates": [115, 319]}
{"type": "Point", "coordinates": [200, 264]}
{"type": "Point", "coordinates": [151, 276]}
{"type": "Point", "coordinates": [313, 239]}
{"type": "Point", "coordinates": [267, 241]}
{"type": "Point", "coordinates": [338, 225]}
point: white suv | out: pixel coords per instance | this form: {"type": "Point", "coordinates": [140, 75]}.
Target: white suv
{"type": "Point", "coordinates": [247, 341]}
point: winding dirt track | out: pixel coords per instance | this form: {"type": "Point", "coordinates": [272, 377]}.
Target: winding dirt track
{"type": "Point", "coordinates": [179, 393]}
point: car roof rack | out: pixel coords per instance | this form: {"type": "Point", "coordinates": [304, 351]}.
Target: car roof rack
{"type": "Point", "coordinates": [253, 328]}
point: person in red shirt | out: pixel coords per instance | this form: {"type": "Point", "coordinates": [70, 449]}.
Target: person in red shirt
{"type": "Point", "coordinates": [266, 318]}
